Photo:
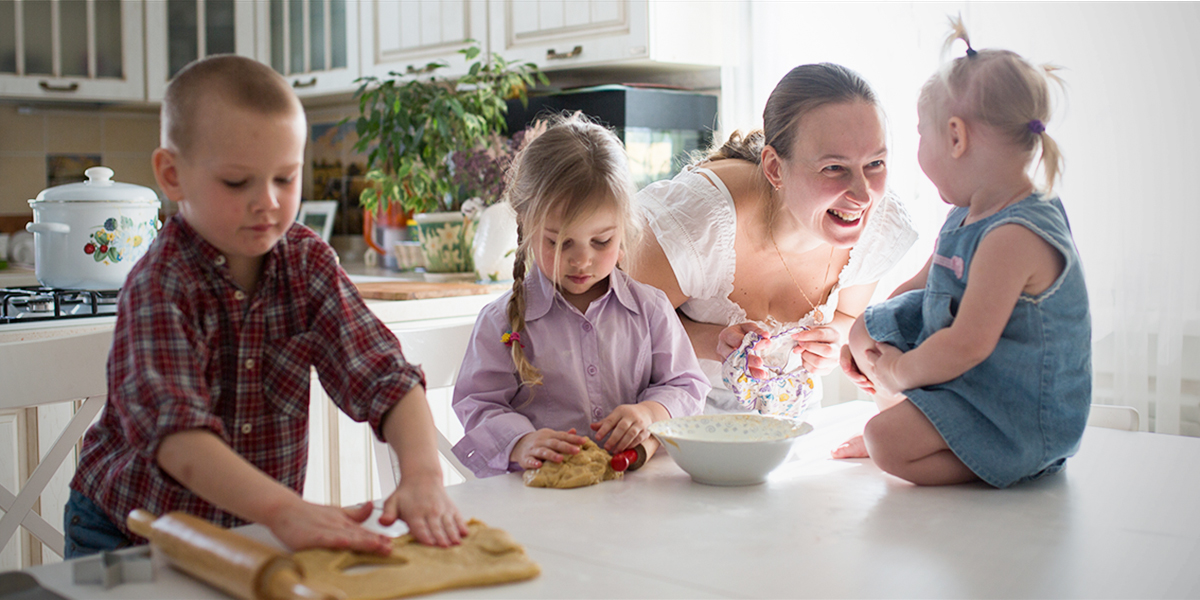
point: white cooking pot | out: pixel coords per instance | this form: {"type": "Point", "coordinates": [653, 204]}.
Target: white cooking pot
{"type": "Point", "coordinates": [88, 235]}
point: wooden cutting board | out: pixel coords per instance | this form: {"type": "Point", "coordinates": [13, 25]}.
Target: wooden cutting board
{"type": "Point", "coordinates": [418, 290]}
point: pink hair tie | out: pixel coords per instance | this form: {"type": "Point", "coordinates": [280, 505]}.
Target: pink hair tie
{"type": "Point", "coordinates": [509, 337]}
{"type": "Point", "coordinates": [1036, 126]}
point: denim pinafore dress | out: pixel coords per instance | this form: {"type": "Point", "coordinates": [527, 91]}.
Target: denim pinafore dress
{"type": "Point", "coordinates": [1020, 413]}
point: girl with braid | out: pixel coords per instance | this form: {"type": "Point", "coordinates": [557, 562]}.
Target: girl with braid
{"type": "Point", "coordinates": [981, 363]}
{"type": "Point", "coordinates": [577, 348]}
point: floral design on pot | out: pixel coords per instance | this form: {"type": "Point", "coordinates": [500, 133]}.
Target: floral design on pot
{"type": "Point", "coordinates": [111, 244]}
{"type": "Point", "coordinates": [446, 241]}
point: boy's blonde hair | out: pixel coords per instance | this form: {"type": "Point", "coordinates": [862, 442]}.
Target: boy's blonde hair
{"type": "Point", "coordinates": [1001, 89]}
{"type": "Point", "coordinates": [244, 82]}
{"type": "Point", "coordinates": [576, 167]}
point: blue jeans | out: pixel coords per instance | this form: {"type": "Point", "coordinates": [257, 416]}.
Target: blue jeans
{"type": "Point", "coordinates": [88, 529]}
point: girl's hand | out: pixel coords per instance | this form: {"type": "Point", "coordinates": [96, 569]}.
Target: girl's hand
{"type": "Point", "coordinates": [302, 525]}
{"type": "Point", "coordinates": [731, 337]}
{"type": "Point", "coordinates": [883, 359]}
{"type": "Point", "coordinates": [431, 516]}
{"type": "Point", "coordinates": [850, 368]}
{"type": "Point", "coordinates": [543, 445]}
{"type": "Point", "coordinates": [625, 427]}
{"type": "Point", "coordinates": [819, 348]}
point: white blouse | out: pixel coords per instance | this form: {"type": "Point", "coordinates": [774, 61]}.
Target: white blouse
{"type": "Point", "coordinates": [694, 220]}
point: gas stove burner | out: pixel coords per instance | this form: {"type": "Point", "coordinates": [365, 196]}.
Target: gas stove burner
{"type": "Point", "coordinates": [36, 303]}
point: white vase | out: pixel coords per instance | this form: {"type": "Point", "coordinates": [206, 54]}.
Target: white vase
{"type": "Point", "coordinates": [495, 246]}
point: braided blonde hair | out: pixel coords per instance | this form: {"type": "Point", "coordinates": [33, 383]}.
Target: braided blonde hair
{"type": "Point", "coordinates": [1001, 89]}
{"type": "Point", "coordinates": [574, 168]}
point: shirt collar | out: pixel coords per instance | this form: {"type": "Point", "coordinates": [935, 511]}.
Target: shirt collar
{"type": "Point", "coordinates": [197, 249]}
{"type": "Point", "coordinates": [540, 293]}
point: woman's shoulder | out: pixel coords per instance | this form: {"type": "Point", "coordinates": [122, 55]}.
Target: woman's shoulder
{"type": "Point", "coordinates": [888, 236]}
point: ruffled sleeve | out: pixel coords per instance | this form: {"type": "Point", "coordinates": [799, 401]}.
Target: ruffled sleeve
{"type": "Point", "coordinates": [888, 236]}
{"type": "Point", "coordinates": [694, 222]}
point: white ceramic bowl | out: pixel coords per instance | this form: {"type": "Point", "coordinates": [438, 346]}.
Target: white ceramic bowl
{"type": "Point", "coordinates": [728, 449]}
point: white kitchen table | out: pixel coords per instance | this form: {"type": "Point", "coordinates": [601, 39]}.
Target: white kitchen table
{"type": "Point", "coordinates": [1121, 521]}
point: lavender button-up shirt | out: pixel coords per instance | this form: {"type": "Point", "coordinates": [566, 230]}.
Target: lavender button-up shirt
{"type": "Point", "coordinates": [629, 347]}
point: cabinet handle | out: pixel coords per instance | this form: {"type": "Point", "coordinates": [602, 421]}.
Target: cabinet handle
{"type": "Point", "coordinates": [304, 84]}
{"type": "Point", "coordinates": [70, 87]}
{"type": "Point", "coordinates": [552, 55]}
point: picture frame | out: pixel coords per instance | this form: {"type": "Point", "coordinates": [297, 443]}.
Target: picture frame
{"type": "Point", "coordinates": [318, 216]}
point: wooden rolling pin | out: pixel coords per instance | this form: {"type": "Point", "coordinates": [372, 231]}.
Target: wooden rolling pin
{"type": "Point", "coordinates": [226, 560]}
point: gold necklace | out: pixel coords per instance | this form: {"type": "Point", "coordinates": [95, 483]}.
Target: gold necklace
{"type": "Point", "coordinates": [818, 316]}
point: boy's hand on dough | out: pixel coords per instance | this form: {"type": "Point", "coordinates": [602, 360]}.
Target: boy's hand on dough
{"type": "Point", "coordinates": [429, 513]}
{"type": "Point", "coordinates": [302, 525]}
{"type": "Point", "coordinates": [545, 444]}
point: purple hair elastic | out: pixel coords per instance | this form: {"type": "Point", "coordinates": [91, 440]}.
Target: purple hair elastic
{"type": "Point", "coordinates": [1036, 126]}
{"type": "Point", "coordinates": [971, 51]}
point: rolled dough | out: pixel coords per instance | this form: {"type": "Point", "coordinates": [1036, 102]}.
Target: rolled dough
{"type": "Point", "coordinates": [590, 466]}
{"type": "Point", "coordinates": [487, 556]}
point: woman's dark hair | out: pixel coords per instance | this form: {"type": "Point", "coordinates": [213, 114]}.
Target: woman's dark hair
{"type": "Point", "coordinates": [804, 89]}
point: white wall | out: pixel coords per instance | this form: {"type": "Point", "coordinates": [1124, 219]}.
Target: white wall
{"type": "Point", "coordinates": [1127, 128]}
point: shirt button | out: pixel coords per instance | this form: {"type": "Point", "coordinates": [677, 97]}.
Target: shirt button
{"type": "Point", "coordinates": [587, 326]}
{"type": "Point", "coordinates": [246, 427]}
{"type": "Point", "coordinates": [220, 260]}
{"type": "Point", "coordinates": [597, 413]}
{"type": "Point", "coordinates": [238, 295]}
{"type": "Point", "coordinates": [591, 369]}
{"type": "Point", "coordinates": [249, 363]}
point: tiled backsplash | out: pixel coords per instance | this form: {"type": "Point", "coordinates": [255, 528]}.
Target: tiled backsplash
{"type": "Point", "coordinates": [124, 140]}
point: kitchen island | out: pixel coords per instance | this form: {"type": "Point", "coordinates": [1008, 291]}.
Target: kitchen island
{"type": "Point", "coordinates": [1118, 522]}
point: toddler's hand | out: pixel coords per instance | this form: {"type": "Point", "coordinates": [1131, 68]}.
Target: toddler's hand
{"type": "Point", "coordinates": [431, 516]}
{"type": "Point", "coordinates": [850, 368]}
{"type": "Point", "coordinates": [543, 445]}
{"type": "Point", "coordinates": [731, 337]}
{"type": "Point", "coordinates": [625, 427]}
{"type": "Point", "coordinates": [819, 348]}
{"type": "Point", "coordinates": [303, 525]}
{"type": "Point", "coordinates": [883, 359]}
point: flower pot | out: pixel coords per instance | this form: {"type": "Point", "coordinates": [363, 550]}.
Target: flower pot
{"type": "Point", "coordinates": [446, 239]}
{"type": "Point", "coordinates": [495, 245]}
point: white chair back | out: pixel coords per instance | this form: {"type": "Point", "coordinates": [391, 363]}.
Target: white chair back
{"type": "Point", "coordinates": [438, 346]}
{"type": "Point", "coordinates": [1124, 418]}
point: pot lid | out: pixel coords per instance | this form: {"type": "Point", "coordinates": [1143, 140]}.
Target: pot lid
{"type": "Point", "coordinates": [98, 188]}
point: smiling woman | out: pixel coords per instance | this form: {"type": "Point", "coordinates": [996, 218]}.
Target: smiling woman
{"type": "Point", "coordinates": [786, 227]}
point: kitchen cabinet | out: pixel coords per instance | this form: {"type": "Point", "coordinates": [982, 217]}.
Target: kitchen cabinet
{"type": "Point", "coordinates": [562, 34]}
{"type": "Point", "coordinates": [405, 35]}
{"type": "Point", "coordinates": [72, 50]}
{"type": "Point", "coordinates": [313, 43]}
{"type": "Point", "coordinates": [181, 31]}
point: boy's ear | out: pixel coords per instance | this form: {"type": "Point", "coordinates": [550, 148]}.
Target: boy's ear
{"type": "Point", "coordinates": [166, 173]}
{"type": "Point", "coordinates": [772, 166]}
{"type": "Point", "coordinates": [957, 130]}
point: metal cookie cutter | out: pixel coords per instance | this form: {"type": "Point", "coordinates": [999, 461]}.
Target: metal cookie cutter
{"type": "Point", "coordinates": [114, 568]}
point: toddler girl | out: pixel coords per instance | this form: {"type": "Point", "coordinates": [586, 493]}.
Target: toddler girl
{"type": "Point", "coordinates": [577, 347]}
{"type": "Point", "coordinates": [982, 361]}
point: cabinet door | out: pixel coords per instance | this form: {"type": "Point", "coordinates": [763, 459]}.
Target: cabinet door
{"type": "Point", "coordinates": [181, 31]}
{"type": "Point", "coordinates": [405, 35]}
{"type": "Point", "coordinates": [558, 34]}
{"type": "Point", "coordinates": [72, 50]}
{"type": "Point", "coordinates": [313, 43]}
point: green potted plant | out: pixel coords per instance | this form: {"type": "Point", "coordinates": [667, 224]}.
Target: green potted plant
{"type": "Point", "coordinates": [410, 127]}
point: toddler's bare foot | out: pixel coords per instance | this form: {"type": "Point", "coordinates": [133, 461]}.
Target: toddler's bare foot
{"type": "Point", "coordinates": [852, 448]}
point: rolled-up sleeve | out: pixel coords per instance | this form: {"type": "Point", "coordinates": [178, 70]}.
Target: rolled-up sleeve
{"type": "Point", "coordinates": [676, 379]}
{"type": "Point", "coordinates": [483, 395]}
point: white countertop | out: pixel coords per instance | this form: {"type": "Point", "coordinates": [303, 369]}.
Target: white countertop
{"type": "Point", "coordinates": [1119, 522]}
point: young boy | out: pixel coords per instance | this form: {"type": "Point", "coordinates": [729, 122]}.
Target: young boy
{"type": "Point", "coordinates": [217, 327]}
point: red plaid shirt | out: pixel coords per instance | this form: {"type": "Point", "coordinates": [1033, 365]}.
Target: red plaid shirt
{"type": "Point", "coordinates": [192, 351]}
